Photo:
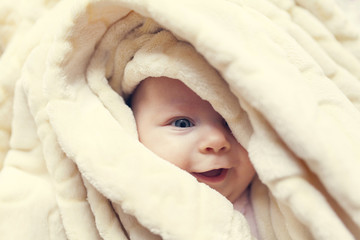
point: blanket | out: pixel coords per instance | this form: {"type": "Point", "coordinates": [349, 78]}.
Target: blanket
{"type": "Point", "coordinates": [285, 74]}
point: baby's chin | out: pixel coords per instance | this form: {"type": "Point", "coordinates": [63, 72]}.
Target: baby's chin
{"type": "Point", "coordinates": [233, 195]}
{"type": "Point", "coordinates": [232, 198]}
{"type": "Point", "coordinates": [218, 179]}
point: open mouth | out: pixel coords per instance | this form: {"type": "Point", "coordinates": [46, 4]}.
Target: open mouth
{"type": "Point", "coordinates": [215, 175]}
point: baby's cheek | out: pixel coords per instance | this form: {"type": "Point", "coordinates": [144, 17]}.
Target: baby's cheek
{"type": "Point", "coordinates": [170, 147]}
{"type": "Point", "coordinates": [174, 156]}
{"type": "Point", "coordinates": [248, 172]}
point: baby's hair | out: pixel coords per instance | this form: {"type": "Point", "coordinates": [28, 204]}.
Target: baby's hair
{"type": "Point", "coordinates": [128, 100]}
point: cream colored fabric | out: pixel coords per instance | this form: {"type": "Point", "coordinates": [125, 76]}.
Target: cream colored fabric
{"type": "Point", "coordinates": [284, 74]}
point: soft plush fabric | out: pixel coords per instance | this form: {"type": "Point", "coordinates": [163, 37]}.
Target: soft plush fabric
{"type": "Point", "coordinates": [285, 74]}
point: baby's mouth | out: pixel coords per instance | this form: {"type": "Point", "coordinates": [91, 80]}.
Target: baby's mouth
{"type": "Point", "coordinates": [215, 175]}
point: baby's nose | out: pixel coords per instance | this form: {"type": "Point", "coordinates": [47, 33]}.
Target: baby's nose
{"type": "Point", "coordinates": [215, 140]}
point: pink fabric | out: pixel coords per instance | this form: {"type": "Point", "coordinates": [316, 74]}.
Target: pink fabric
{"type": "Point", "coordinates": [243, 205]}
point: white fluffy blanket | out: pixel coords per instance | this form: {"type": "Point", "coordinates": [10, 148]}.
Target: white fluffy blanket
{"type": "Point", "coordinates": [285, 74]}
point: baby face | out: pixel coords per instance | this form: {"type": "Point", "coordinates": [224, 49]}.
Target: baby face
{"type": "Point", "coordinates": [179, 126]}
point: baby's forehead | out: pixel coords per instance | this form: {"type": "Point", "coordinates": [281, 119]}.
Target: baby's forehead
{"type": "Point", "coordinates": [167, 91]}
{"type": "Point", "coordinates": [167, 88]}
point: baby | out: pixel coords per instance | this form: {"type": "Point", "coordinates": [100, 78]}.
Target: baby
{"type": "Point", "coordinates": [179, 126]}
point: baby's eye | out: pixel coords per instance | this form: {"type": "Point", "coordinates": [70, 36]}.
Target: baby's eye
{"type": "Point", "coordinates": [182, 123]}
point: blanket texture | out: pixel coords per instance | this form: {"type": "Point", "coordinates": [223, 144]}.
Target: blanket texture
{"type": "Point", "coordinates": [285, 74]}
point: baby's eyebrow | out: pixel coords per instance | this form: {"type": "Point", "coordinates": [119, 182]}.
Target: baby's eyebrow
{"type": "Point", "coordinates": [175, 111]}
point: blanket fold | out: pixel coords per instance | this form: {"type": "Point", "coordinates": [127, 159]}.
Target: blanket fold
{"type": "Point", "coordinates": [283, 74]}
